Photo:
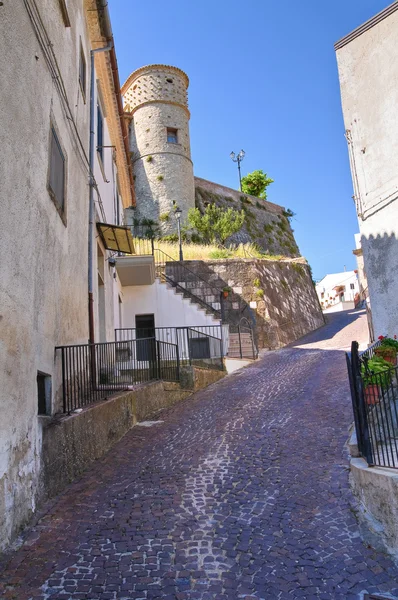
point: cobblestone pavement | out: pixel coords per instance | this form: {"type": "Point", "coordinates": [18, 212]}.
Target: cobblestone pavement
{"type": "Point", "coordinates": [241, 492]}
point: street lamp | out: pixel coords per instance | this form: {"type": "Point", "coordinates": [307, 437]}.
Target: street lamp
{"type": "Point", "coordinates": [178, 213]}
{"type": "Point", "coordinates": [238, 158]}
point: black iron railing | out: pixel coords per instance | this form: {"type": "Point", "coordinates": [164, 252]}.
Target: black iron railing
{"type": "Point", "coordinates": [92, 372]}
{"type": "Point", "coordinates": [374, 395]}
{"type": "Point", "coordinates": [241, 342]}
{"type": "Point", "coordinates": [197, 345]}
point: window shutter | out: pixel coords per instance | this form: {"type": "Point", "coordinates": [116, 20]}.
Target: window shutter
{"type": "Point", "coordinates": [57, 170]}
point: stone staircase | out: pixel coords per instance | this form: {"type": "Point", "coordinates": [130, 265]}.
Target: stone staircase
{"type": "Point", "coordinates": [240, 348]}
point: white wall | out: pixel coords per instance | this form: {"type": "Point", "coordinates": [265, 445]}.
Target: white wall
{"type": "Point", "coordinates": [327, 294]}
{"type": "Point", "coordinates": [368, 70]}
{"type": "Point", "coordinates": [170, 309]}
{"type": "Point", "coordinates": [43, 284]}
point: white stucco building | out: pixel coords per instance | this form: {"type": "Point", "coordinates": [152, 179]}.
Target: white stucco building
{"type": "Point", "coordinates": [338, 291]}
{"type": "Point", "coordinates": [44, 213]}
{"type": "Point", "coordinates": [368, 71]}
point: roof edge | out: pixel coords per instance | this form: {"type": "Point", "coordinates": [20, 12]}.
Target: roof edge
{"type": "Point", "coordinates": [367, 25]}
{"type": "Point", "coordinates": [138, 72]}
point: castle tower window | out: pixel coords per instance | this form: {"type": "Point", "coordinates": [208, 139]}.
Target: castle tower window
{"type": "Point", "coordinates": [172, 136]}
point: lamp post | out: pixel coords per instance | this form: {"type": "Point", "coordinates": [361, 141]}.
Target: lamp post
{"type": "Point", "coordinates": [178, 213]}
{"type": "Point", "coordinates": [238, 159]}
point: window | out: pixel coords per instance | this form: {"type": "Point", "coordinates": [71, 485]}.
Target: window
{"type": "Point", "coordinates": [352, 286]}
{"type": "Point", "coordinates": [64, 11]}
{"type": "Point", "coordinates": [82, 72]}
{"type": "Point", "coordinates": [100, 132]}
{"type": "Point", "coordinates": [172, 136]}
{"type": "Point", "coordinates": [43, 393]}
{"type": "Point", "coordinates": [56, 178]}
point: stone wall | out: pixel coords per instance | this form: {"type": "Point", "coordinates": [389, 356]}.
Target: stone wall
{"type": "Point", "coordinates": [276, 296]}
{"type": "Point", "coordinates": [266, 223]}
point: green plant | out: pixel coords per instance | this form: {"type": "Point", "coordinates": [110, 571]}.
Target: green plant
{"type": "Point", "coordinates": [136, 222]}
{"type": "Point", "coordinates": [376, 371]}
{"type": "Point", "coordinates": [149, 158]}
{"type": "Point", "coordinates": [284, 284]}
{"type": "Point", "coordinates": [389, 353]}
{"type": "Point", "coordinates": [172, 237]}
{"type": "Point", "coordinates": [289, 214]}
{"type": "Point", "coordinates": [216, 224]}
{"type": "Point", "coordinates": [160, 177]}
{"type": "Point", "coordinates": [257, 282]}
{"type": "Point", "coordinates": [256, 184]}
{"type": "Point", "coordinates": [227, 289]}
{"type": "Point", "coordinates": [220, 253]}
{"type": "Point", "coordinates": [259, 293]}
{"type": "Point", "coordinates": [164, 217]}
{"type": "Point", "coordinates": [389, 342]}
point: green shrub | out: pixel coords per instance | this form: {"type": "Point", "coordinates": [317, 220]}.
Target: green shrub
{"type": "Point", "coordinates": [149, 158]}
{"type": "Point", "coordinates": [245, 200]}
{"type": "Point", "coordinates": [260, 294]}
{"type": "Point", "coordinates": [390, 342]}
{"type": "Point", "coordinates": [220, 253]}
{"type": "Point", "coordinates": [164, 217]}
{"type": "Point", "coordinates": [376, 371]}
{"type": "Point", "coordinates": [257, 282]}
{"type": "Point", "coordinates": [160, 177]}
{"type": "Point", "coordinates": [172, 237]}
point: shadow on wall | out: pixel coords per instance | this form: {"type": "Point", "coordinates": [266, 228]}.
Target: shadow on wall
{"type": "Point", "coordinates": [380, 254]}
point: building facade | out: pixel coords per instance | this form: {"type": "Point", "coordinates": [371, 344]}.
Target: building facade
{"type": "Point", "coordinates": [46, 175]}
{"type": "Point", "coordinates": [368, 71]}
{"type": "Point", "coordinates": [338, 291]}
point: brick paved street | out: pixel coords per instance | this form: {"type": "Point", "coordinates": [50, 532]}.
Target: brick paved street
{"type": "Point", "coordinates": [242, 492]}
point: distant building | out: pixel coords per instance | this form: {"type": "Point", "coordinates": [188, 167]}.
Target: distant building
{"type": "Point", "coordinates": [338, 291]}
{"type": "Point", "coordinates": [368, 70]}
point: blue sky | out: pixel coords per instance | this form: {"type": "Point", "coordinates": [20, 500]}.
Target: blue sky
{"type": "Point", "coordinates": [263, 77]}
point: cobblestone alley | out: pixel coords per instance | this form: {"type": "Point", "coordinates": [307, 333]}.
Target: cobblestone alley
{"type": "Point", "coordinates": [239, 492]}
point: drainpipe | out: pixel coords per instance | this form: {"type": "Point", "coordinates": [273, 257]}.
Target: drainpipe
{"type": "Point", "coordinates": [91, 213]}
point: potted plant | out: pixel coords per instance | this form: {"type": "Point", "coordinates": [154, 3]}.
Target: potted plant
{"type": "Point", "coordinates": [387, 352]}
{"type": "Point", "coordinates": [226, 291]}
{"type": "Point", "coordinates": [376, 374]}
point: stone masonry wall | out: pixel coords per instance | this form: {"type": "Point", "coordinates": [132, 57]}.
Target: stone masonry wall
{"type": "Point", "coordinates": [278, 297]}
{"type": "Point", "coordinates": [266, 223]}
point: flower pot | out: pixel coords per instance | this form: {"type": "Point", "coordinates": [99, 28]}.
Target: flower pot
{"type": "Point", "coordinates": [371, 393]}
{"type": "Point", "coordinates": [389, 356]}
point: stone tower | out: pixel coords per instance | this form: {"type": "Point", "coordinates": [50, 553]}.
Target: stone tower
{"type": "Point", "coordinates": [156, 102]}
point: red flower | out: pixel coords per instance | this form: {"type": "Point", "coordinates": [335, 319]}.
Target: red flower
{"type": "Point", "coordinates": [381, 337]}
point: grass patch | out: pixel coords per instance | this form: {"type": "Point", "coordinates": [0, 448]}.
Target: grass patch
{"type": "Point", "coordinates": [169, 245]}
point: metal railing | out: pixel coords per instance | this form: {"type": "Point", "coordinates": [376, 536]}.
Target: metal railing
{"type": "Point", "coordinates": [91, 372]}
{"type": "Point", "coordinates": [201, 345]}
{"type": "Point", "coordinates": [375, 405]}
{"type": "Point", "coordinates": [241, 342]}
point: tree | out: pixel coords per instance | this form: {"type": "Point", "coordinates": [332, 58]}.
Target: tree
{"type": "Point", "coordinates": [256, 184]}
{"type": "Point", "coordinates": [216, 224]}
